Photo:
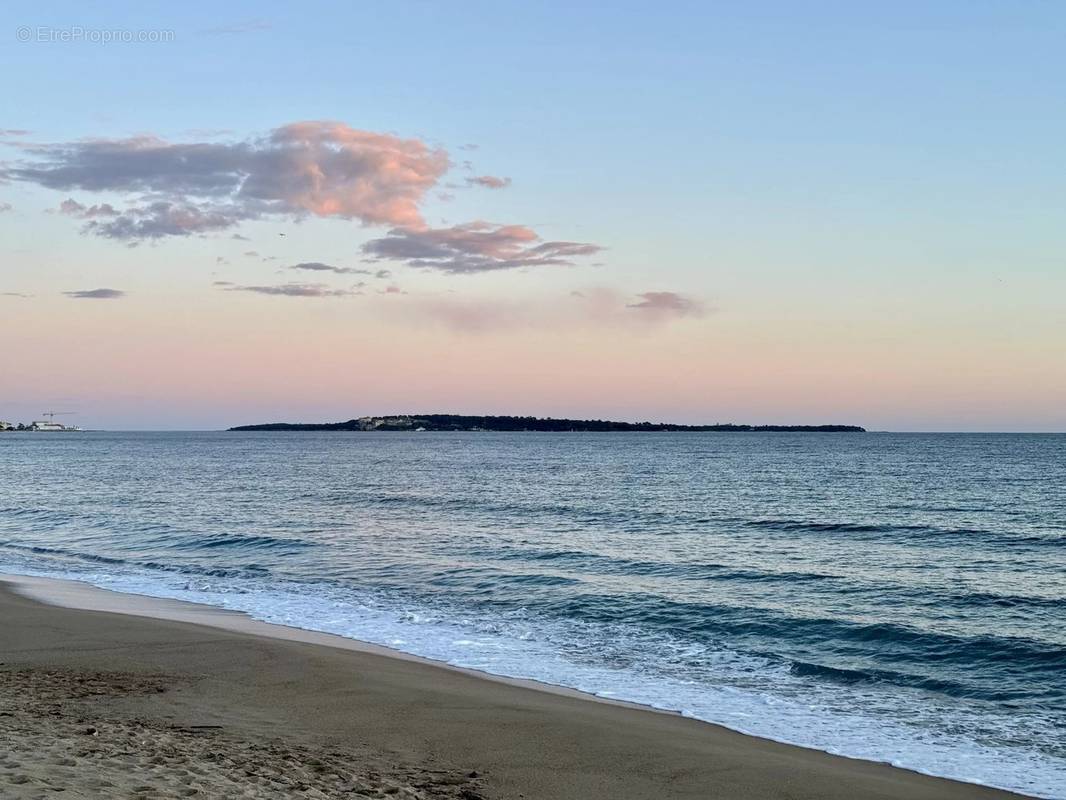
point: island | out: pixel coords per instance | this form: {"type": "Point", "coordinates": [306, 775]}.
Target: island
{"type": "Point", "coordinates": [462, 422]}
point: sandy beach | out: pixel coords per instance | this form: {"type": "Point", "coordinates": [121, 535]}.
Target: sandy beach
{"type": "Point", "coordinates": [102, 704]}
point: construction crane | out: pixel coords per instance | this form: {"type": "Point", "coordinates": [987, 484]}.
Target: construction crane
{"type": "Point", "coordinates": [53, 414]}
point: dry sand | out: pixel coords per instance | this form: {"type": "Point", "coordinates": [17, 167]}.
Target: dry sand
{"type": "Point", "coordinates": [98, 704]}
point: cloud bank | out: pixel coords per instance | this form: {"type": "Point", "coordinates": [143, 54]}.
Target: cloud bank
{"type": "Point", "coordinates": [323, 169]}
{"type": "Point", "coordinates": [300, 170]}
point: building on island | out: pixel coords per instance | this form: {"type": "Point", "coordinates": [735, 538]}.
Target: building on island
{"type": "Point", "coordinates": [51, 425]}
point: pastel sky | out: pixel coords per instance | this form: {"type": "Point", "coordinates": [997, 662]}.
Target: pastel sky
{"type": "Point", "coordinates": [764, 212]}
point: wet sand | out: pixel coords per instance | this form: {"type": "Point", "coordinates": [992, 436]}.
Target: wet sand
{"type": "Point", "coordinates": [101, 704]}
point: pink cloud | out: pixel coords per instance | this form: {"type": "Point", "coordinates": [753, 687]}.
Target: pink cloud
{"type": "Point", "coordinates": [330, 169]}
{"type": "Point", "coordinates": [72, 208]}
{"type": "Point", "coordinates": [314, 168]}
{"type": "Point", "coordinates": [325, 169]}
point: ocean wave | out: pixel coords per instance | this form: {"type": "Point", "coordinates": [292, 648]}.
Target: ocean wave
{"type": "Point", "coordinates": [888, 597]}
{"type": "Point", "coordinates": [891, 532]}
{"type": "Point", "coordinates": [230, 540]}
{"type": "Point", "coordinates": [627, 566]}
{"type": "Point", "coordinates": [625, 664]}
{"type": "Point", "coordinates": [984, 664]}
{"type": "Point", "coordinates": [683, 521]}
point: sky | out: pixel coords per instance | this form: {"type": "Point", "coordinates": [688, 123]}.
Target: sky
{"type": "Point", "coordinates": [767, 212]}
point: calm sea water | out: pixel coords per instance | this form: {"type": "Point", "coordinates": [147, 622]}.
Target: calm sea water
{"type": "Point", "coordinates": [900, 598]}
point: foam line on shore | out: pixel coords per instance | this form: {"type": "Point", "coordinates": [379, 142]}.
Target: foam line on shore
{"type": "Point", "coordinates": [82, 596]}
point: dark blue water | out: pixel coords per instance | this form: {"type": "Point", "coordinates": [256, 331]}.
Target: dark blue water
{"type": "Point", "coordinates": [892, 597]}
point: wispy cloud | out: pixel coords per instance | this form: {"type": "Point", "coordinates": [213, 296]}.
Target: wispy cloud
{"type": "Point", "coordinates": [291, 290]}
{"type": "Point", "coordinates": [489, 182]}
{"type": "Point", "coordinates": [14, 294]}
{"type": "Point", "coordinates": [475, 247]}
{"type": "Point", "coordinates": [595, 307]}
{"type": "Point", "coordinates": [668, 304]}
{"type": "Point", "coordinates": [467, 315]}
{"type": "Point", "coordinates": [210, 133]}
{"type": "Point", "coordinates": [318, 266]}
{"type": "Point", "coordinates": [250, 26]}
{"type": "Point", "coordinates": [5, 207]}
{"type": "Point", "coordinates": [96, 294]}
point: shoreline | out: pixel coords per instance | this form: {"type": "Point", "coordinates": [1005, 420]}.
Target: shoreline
{"type": "Point", "coordinates": [637, 751]}
{"type": "Point", "coordinates": [82, 596]}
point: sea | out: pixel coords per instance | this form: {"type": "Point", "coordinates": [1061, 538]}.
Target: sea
{"type": "Point", "coordinates": [893, 597]}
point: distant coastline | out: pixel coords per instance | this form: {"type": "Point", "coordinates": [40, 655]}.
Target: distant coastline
{"type": "Point", "coordinates": [461, 422]}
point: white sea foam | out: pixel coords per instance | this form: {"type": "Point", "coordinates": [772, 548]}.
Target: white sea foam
{"type": "Point", "coordinates": [744, 693]}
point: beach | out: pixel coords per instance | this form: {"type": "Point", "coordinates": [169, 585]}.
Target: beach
{"type": "Point", "coordinates": [98, 703]}
{"type": "Point", "coordinates": [567, 401]}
